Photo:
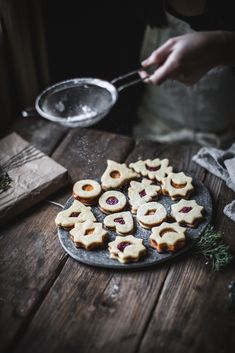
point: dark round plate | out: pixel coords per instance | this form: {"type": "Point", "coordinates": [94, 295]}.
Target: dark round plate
{"type": "Point", "coordinates": [100, 258]}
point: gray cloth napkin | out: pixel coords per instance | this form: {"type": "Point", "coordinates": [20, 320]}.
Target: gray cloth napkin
{"type": "Point", "coordinates": [222, 164]}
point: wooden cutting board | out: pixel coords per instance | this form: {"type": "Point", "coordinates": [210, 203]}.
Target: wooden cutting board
{"type": "Point", "coordinates": [34, 176]}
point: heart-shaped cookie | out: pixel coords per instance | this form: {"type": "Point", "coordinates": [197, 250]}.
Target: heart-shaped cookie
{"type": "Point", "coordinates": [121, 222]}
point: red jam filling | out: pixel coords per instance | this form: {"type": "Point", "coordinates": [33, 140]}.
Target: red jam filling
{"type": "Point", "coordinates": [74, 214]}
{"type": "Point", "coordinates": [112, 200]}
{"type": "Point", "coordinates": [142, 193]}
{"type": "Point", "coordinates": [152, 169]}
{"type": "Point", "coordinates": [186, 209]}
{"type": "Point", "coordinates": [121, 246]}
{"type": "Point", "coordinates": [119, 220]}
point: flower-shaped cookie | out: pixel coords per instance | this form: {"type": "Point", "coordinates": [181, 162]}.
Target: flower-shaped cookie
{"type": "Point", "coordinates": [151, 214]}
{"type": "Point", "coordinates": [177, 185]}
{"type": "Point", "coordinates": [127, 249]}
{"type": "Point", "coordinates": [155, 169]}
{"type": "Point", "coordinates": [88, 235]}
{"type": "Point", "coordinates": [168, 237]}
{"type": "Point", "coordinates": [76, 213]}
{"type": "Point", "coordinates": [121, 222]}
{"type": "Point", "coordinates": [142, 192]}
{"type": "Point", "coordinates": [187, 212]}
{"type": "Point", "coordinates": [87, 191]}
{"type": "Point", "coordinates": [116, 175]}
{"type": "Point", "coordinates": [112, 201]}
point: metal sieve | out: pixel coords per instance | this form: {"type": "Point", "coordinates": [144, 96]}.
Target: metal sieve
{"type": "Point", "coordinates": [81, 101]}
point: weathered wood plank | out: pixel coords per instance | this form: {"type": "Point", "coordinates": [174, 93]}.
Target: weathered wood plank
{"type": "Point", "coordinates": [191, 314]}
{"type": "Point", "coordinates": [43, 134]}
{"type": "Point", "coordinates": [111, 317]}
{"type": "Point", "coordinates": [30, 254]}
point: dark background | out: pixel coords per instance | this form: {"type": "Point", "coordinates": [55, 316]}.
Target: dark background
{"type": "Point", "coordinates": [96, 39]}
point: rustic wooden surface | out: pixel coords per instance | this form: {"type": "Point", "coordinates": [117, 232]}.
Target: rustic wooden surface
{"type": "Point", "coordinates": [51, 303]}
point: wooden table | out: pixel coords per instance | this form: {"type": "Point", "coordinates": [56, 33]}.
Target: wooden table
{"type": "Point", "coordinates": [51, 303]}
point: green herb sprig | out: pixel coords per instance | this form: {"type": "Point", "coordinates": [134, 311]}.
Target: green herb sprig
{"type": "Point", "coordinates": [5, 180]}
{"type": "Point", "coordinates": [213, 248]}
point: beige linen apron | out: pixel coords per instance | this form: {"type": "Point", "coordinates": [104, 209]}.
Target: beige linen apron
{"type": "Point", "coordinates": [171, 112]}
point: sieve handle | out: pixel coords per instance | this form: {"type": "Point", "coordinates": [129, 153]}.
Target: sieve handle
{"type": "Point", "coordinates": [29, 112]}
{"type": "Point", "coordinates": [150, 70]}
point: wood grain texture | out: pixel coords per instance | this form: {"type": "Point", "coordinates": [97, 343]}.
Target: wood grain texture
{"type": "Point", "coordinates": [70, 307]}
{"type": "Point", "coordinates": [26, 279]}
{"type": "Point", "coordinates": [191, 314]}
{"type": "Point", "coordinates": [112, 316]}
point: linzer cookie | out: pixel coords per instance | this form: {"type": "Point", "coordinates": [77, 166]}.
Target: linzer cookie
{"type": "Point", "coordinates": [177, 185]}
{"type": "Point", "coordinates": [89, 235]}
{"type": "Point", "coordinates": [87, 191]}
{"type": "Point", "coordinates": [155, 169]}
{"type": "Point", "coordinates": [142, 192]}
{"type": "Point", "coordinates": [112, 201]}
{"type": "Point", "coordinates": [187, 212]}
{"type": "Point", "coordinates": [168, 237]}
{"type": "Point", "coordinates": [76, 213]}
{"type": "Point", "coordinates": [151, 214]}
{"type": "Point", "coordinates": [127, 249]}
{"type": "Point", "coordinates": [121, 222]}
{"type": "Point", "coordinates": [116, 175]}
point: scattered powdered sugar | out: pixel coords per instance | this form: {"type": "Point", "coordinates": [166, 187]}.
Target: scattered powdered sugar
{"type": "Point", "coordinates": [85, 112]}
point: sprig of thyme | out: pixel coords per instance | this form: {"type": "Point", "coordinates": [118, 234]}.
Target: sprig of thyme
{"type": "Point", "coordinates": [5, 180]}
{"type": "Point", "coordinates": [213, 248]}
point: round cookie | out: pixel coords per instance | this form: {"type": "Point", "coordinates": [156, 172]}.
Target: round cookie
{"type": "Point", "coordinates": [187, 212]}
{"type": "Point", "coordinates": [121, 222]}
{"type": "Point", "coordinates": [168, 237]}
{"type": "Point", "coordinates": [87, 191]}
{"type": "Point", "coordinates": [151, 214]}
{"type": "Point", "coordinates": [177, 185]}
{"type": "Point", "coordinates": [112, 201]}
{"type": "Point", "coordinates": [127, 249]}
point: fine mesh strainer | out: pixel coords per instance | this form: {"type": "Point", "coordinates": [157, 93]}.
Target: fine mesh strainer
{"type": "Point", "coordinates": [81, 101]}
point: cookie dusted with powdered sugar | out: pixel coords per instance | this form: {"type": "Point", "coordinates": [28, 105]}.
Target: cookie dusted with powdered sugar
{"type": "Point", "coordinates": [142, 192]}
{"type": "Point", "coordinates": [112, 201]}
{"type": "Point", "coordinates": [76, 213]}
{"type": "Point", "coordinates": [121, 222]}
{"type": "Point", "coordinates": [168, 237]}
{"type": "Point", "coordinates": [127, 249]}
{"type": "Point", "coordinates": [187, 212]}
{"type": "Point", "coordinates": [116, 175]}
{"type": "Point", "coordinates": [87, 191]}
{"type": "Point", "coordinates": [177, 186]}
{"type": "Point", "coordinates": [151, 214]}
{"type": "Point", "coordinates": [155, 169]}
{"type": "Point", "coordinates": [89, 235]}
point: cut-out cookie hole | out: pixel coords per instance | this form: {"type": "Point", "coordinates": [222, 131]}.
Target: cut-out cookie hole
{"type": "Point", "coordinates": [90, 231]}
{"type": "Point", "coordinates": [186, 209]}
{"type": "Point", "coordinates": [74, 214]}
{"type": "Point", "coordinates": [142, 193]}
{"type": "Point", "coordinates": [178, 186]}
{"type": "Point", "coordinates": [87, 187]}
{"type": "Point", "coordinates": [121, 246]}
{"type": "Point", "coordinates": [115, 174]}
{"type": "Point", "coordinates": [150, 212]}
{"type": "Point", "coordinates": [167, 230]}
{"type": "Point", "coordinates": [152, 169]}
{"type": "Point", "coordinates": [119, 220]}
{"type": "Point", "coordinates": [112, 200]}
